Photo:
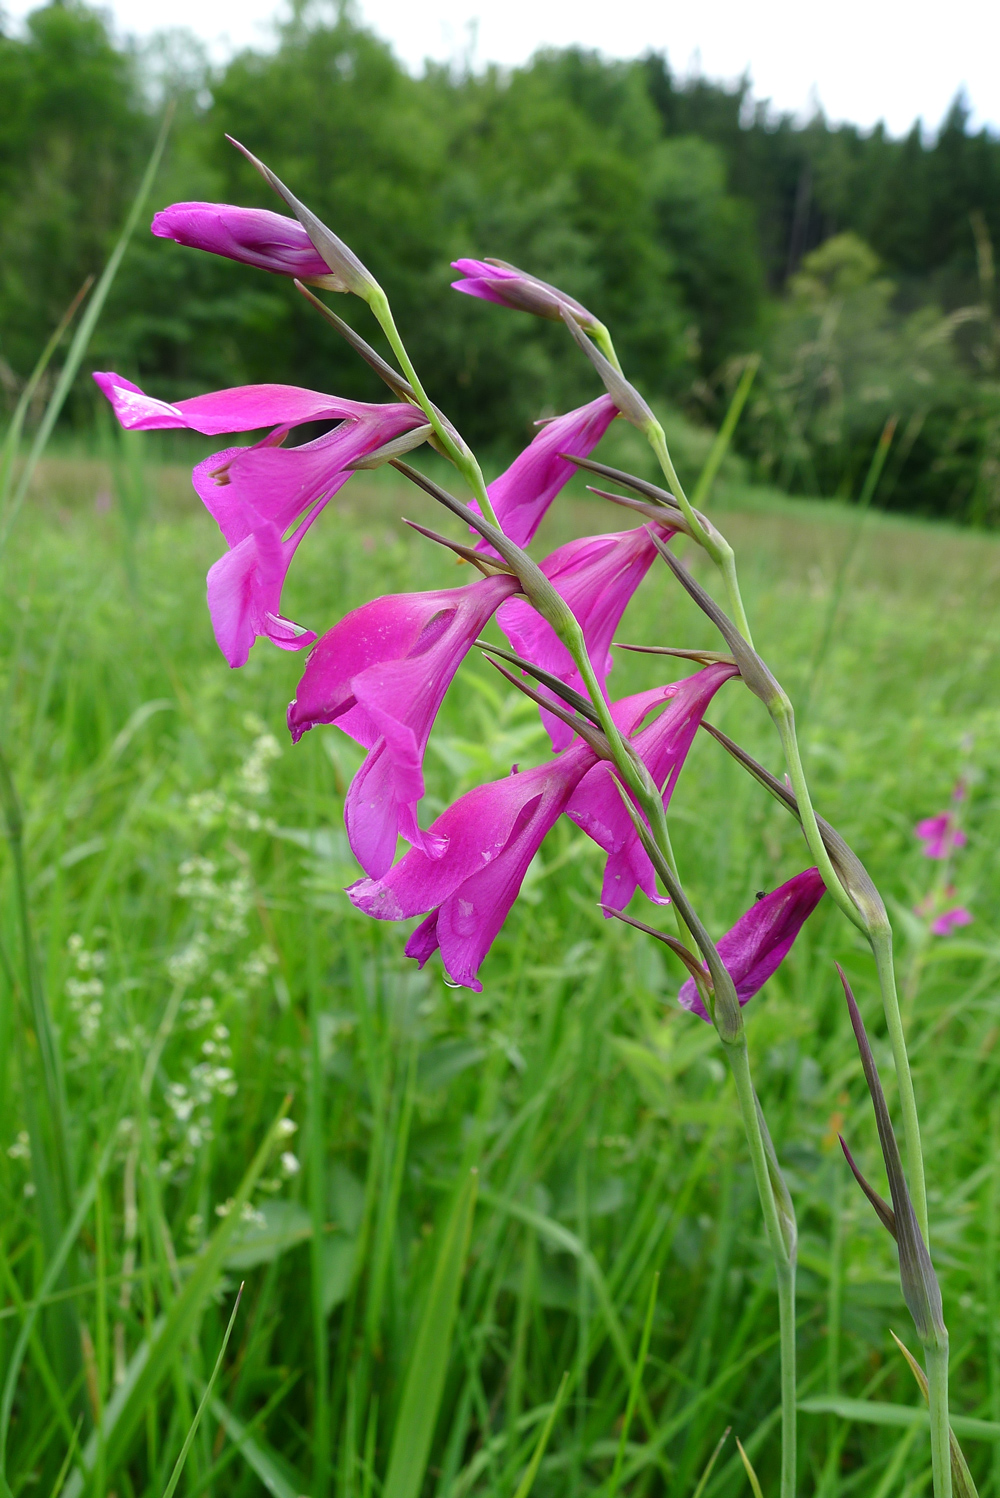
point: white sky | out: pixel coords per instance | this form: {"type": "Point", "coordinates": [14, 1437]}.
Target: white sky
{"type": "Point", "coordinates": [863, 60]}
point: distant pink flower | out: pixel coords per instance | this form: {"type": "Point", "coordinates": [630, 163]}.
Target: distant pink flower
{"type": "Point", "coordinates": [761, 939]}
{"type": "Point", "coordinates": [940, 835]}
{"type": "Point", "coordinates": [596, 805]}
{"type": "Point", "coordinates": [597, 576]}
{"type": "Point", "coordinates": [495, 281]}
{"type": "Point", "coordinates": [254, 236]}
{"type": "Point", "coordinates": [949, 920]}
{"type": "Point", "coordinates": [255, 494]}
{"type": "Point", "coordinates": [491, 835]}
{"type": "Point", "coordinates": [523, 492]}
{"type": "Point", "coordinates": [381, 675]}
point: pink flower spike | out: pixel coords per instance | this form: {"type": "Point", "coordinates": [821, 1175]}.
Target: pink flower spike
{"type": "Point", "coordinates": [254, 236]}
{"type": "Point", "coordinates": [491, 835]}
{"type": "Point", "coordinates": [522, 494]}
{"type": "Point", "coordinates": [597, 576]}
{"type": "Point", "coordinates": [950, 920]}
{"type": "Point", "coordinates": [509, 287]}
{"type": "Point", "coordinates": [939, 835]}
{"type": "Point", "coordinates": [761, 939]}
{"type": "Point", "coordinates": [381, 675]}
{"type": "Point", "coordinates": [597, 807]}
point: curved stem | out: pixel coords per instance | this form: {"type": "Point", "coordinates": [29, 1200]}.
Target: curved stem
{"type": "Point", "coordinates": [784, 1263]}
{"type": "Point", "coordinates": [784, 720]}
{"type": "Point", "coordinates": [881, 944]}
{"type": "Point", "coordinates": [460, 455]}
{"type": "Point", "coordinates": [717, 546]}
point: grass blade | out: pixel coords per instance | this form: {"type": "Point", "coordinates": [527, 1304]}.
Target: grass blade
{"type": "Point", "coordinates": [633, 1393]}
{"type": "Point", "coordinates": [153, 1362]}
{"type": "Point", "coordinates": [531, 1471]}
{"type": "Point", "coordinates": [703, 1480]}
{"type": "Point", "coordinates": [748, 1468]}
{"type": "Point", "coordinates": [88, 322]}
{"type": "Point", "coordinates": [418, 1409]}
{"type": "Point", "coordinates": [175, 1476]}
{"type": "Point", "coordinates": [11, 441]}
{"type": "Point", "coordinates": [256, 1454]}
{"type": "Point", "coordinates": [725, 434]}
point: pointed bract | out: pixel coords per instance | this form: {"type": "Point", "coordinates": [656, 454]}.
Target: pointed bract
{"type": "Point", "coordinates": [597, 576]}
{"type": "Point", "coordinates": [381, 675]}
{"type": "Point", "coordinates": [491, 835]}
{"type": "Point", "coordinates": [754, 949]}
{"type": "Point", "coordinates": [597, 806]}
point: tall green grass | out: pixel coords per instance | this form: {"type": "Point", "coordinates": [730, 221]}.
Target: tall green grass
{"type": "Point", "coordinates": [512, 1239]}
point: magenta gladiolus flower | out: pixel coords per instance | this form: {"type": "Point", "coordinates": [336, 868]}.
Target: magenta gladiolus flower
{"type": "Point", "coordinates": [940, 835]}
{"type": "Point", "coordinates": [761, 939]}
{"type": "Point", "coordinates": [597, 576]}
{"type": "Point", "coordinates": [523, 492]}
{"type": "Point", "coordinates": [495, 281]}
{"type": "Point", "coordinates": [381, 675]}
{"type": "Point", "coordinates": [254, 236]}
{"type": "Point", "coordinates": [255, 494]}
{"type": "Point", "coordinates": [949, 920]}
{"type": "Point", "coordinates": [492, 833]}
{"type": "Point", "coordinates": [596, 806]}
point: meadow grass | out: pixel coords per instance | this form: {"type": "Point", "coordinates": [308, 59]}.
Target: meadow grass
{"type": "Point", "coordinates": [198, 974]}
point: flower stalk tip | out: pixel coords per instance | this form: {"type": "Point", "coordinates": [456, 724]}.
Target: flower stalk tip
{"type": "Point", "coordinates": [345, 272]}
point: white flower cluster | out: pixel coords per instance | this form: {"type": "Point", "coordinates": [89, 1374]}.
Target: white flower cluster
{"type": "Point", "coordinates": [252, 777]}
{"type": "Point", "coordinates": [85, 990]}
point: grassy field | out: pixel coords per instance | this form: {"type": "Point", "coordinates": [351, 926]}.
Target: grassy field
{"type": "Point", "coordinates": [196, 964]}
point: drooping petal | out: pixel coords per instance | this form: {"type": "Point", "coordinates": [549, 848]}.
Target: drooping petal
{"type": "Point", "coordinates": [281, 484]}
{"type": "Point", "coordinates": [597, 807]}
{"type": "Point", "coordinates": [761, 939]}
{"type": "Point", "coordinates": [381, 675]}
{"type": "Point", "coordinates": [597, 576]}
{"type": "Point", "coordinates": [244, 595]}
{"type": "Point", "coordinates": [523, 492]}
{"type": "Point", "coordinates": [254, 236]}
{"type": "Point", "coordinates": [243, 408]}
{"type": "Point", "coordinates": [492, 833]}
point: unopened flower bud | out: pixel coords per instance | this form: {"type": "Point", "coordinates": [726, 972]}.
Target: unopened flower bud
{"type": "Point", "coordinates": [496, 281]}
{"type": "Point", "coordinates": [254, 236]}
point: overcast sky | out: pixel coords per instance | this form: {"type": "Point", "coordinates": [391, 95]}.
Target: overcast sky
{"type": "Point", "coordinates": [862, 60]}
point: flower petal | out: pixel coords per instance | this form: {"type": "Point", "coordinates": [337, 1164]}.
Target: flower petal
{"type": "Point", "coordinates": [761, 939]}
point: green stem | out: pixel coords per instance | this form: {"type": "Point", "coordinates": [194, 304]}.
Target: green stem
{"type": "Point", "coordinates": [937, 1396]}
{"type": "Point", "coordinates": [739, 1062]}
{"type": "Point", "coordinates": [784, 720]}
{"type": "Point", "coordinates": [602, 338]}
{"type": "Point", "coordinates": [462, 458]}
{"type": "Point", "coordinates": [879, 936]}
{"type": "Point", "coordinates": [881, 944]}
{"type": "Point", "coordinates": [717, 546]}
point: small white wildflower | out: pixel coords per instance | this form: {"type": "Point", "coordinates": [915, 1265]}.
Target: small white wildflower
{"type": "Point", "coordinates": [189, 963]}
{"type": "Point", "coordinates": [252, 775]}
{"type": "Point", "coordinates": [221, 1032]}
{"type": "Point", "coordinates": [225, 1209]}
{"type": "Point", "coordinates": [208, 808]}
{"type": "Point", "coordinates": [29, 1188]}
{"type": "Point", "coordinates": [285, 1128]}
{"type": "Point", "coordinates": [199, 1012]}
{"type": "Point", "coordinates": [249, 1213]}
{"type": "Point", "coordinates": [21, 1148]}
{"type": "Point", "coordinates": [290, 1164]}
